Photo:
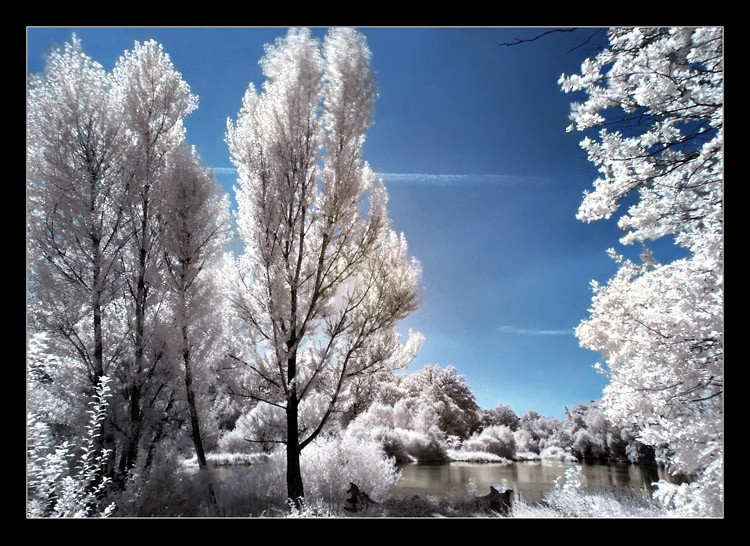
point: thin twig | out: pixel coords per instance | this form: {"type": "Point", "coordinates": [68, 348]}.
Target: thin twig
{"type": "Point", "coordinates": [524, 40]}
{"type": "Point", "coordinates": [586, 41]}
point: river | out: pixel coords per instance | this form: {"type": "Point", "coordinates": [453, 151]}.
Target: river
{"type": "Point", "coordinates": [529, 479]}
{"type": "Point", "coordinates": [239, 494]}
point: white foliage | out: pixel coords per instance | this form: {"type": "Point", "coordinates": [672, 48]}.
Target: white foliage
{"type": "Point", "coordinates": [418, 415]}
{"type": "Point", "coordinates": [154, 100]}
{"type": "Point", "coordinates": [329, 464]}
{"type": "Point", "coordinates": [75, 192]}
{"type": "Point", "coordinates": [557, 453]}
{"type": "Point", "coordinates": [323, 278]}
{"type": "Point", "coordinates": [525, 441]}
{"type": "Point", "coordinates": [54, 490]}
{"type": "Point", "coordinates": [408, 430]}
{"type": "Point", "coordinates": [569, 499]}
{"type": "Point", "coordinates": [497, 439]}
{"type": "Point", "coordinates": [660, 326]}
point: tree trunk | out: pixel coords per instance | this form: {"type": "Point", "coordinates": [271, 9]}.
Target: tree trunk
{"type": "Point", "coordinates": [135, 376]}
{"type": "Point", "coordinates": [158, 433]}
{"type": "Point", "coordinates": [96, 303]}
{"type": "Point", "coordinates": [194, 421]}
{"type": "Point", "coordinates": [96, 284]}
{"type": "Point", "coordinates": [98, 361]}
{"type": "Point", "coordinates": [295, 490]}
{"type": "Point", "coordinates": [134, 434]}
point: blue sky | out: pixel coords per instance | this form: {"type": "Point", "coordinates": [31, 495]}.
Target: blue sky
{"type": "Point", "coordinates": [483, 180]}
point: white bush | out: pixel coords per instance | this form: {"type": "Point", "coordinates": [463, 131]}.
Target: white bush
{"type": "Point", "coordinates": [525, 441]}
{"type": "Point", "coordinates": [56, 490]}
{"type": "Point", "coordinates": [556, 453]}
{"type": "Point", "coordinates": [330, 464]}
{"type": "Point", "coordinates": [568, 499]}
{"type": "Point", "coordinates": [496, 439]}
{"type": "Point", "coordinates": [700, 498]}
{"type": "Point", "coordinates": [475, 456]}
{"type": "Point", "coordinates": [260, 429]}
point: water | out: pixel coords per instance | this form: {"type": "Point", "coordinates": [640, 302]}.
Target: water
{"type": "Point", "coordinates": [240, 490]}
{"type": "Point", "coordinates": [529, 479]}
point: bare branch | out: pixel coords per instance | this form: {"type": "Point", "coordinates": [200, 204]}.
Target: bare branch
{"type": "Point", "coordinates": [543, 34]}
{"type": "Point", "coordinates": [586, 41]}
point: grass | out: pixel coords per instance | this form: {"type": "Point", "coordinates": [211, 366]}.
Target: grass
{"type": "Point", "coordinates": [558, 504]}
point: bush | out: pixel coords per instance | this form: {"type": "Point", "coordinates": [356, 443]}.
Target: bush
{"type": "Point", "coordinates": [410, 445]}
{"type": "Point", "coordinates": [496, 439]}
{"type": "Point", "coordinates": [264, 424]}
{"type": "Point", "coordinates": [568, 499]}
{"type": "Point", "coordinates": [475, 456]}
{"type": "Point", "coordinates": [57, 490]}
{"type": "Point", "coordinates": [330, 464]}
{"type": "Point", "coordinates": [557, 453]}
{"type": "Point", "coordinates": [525, 441]}
{"type": "Point", "coordinates": [700, 498]}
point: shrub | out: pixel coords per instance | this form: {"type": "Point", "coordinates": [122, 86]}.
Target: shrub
{"type": "Point", "coordinates": [496, 439]}
{"type": "Point", "coordinates": [568, 499]}
{"type": "Point", "coordinates": [475, 456]}
{"type": "Point", "coordinates": [56, 490]}
{"type": "Point", "coordinates": [557, 453]}
{"type": "Point", "coordinates": [525, 441]}
{"type": "Point", "coordinates": [411, 445]}
{"type": "Point", "coordinates": [330, 464]}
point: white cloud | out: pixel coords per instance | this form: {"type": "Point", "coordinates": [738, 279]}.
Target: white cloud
{"type": "Point", "coordinates": [451, 179]}
{"type": "Point", "coordinates": [533, 331]}
{"type": "Point", "coordinates": [224, 170]}
{"type": "Point", "coordinates": [433, 179]}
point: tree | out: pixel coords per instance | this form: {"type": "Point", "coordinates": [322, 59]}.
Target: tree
{"type": "Point", "coordinates": [195, 232]}
{"type": "Point", "coordinates": [449, 394]}
{"type": "Point", "coordinates": [660, 325]}
{"type": "Point", "coordinates": [535, 430]}
{"type": "Point", "coordinates": [501, 415]}
{"type": "Point", "coordinates": [591, 435]}
{"type": "Point", "coordinates": [324, 279]}
{"type": "Point", "coordinates": [75, 233]}
{"type": "Point", "coordinates": [75, 222]}
{"type": "Point", "coordinates": [153, 100]}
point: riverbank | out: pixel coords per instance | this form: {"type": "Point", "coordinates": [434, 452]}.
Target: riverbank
{"type": "Point", "coordinates": [247, 487]}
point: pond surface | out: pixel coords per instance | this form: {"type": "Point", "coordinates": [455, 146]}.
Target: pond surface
{"type": "Point", "coordinates": [530, 479]}
{"type": "Point", "coordinates": [238, 492]}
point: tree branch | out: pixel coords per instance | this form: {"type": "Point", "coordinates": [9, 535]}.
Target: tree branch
{"type": "Point", "coordinates": [525, 40]}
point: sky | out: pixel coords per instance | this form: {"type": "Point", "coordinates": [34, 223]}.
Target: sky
{"type": "Point", "coordinates": [484, 181]}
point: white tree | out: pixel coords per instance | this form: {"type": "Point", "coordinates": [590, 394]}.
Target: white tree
{"type": "Point", "coordinates": [324, 277]}
{"type": "Point", "coordinates": [75, 233]}
{"type": "Point", "coordinates": [75, 192]}
{"type": "Point", "coordinates": [660, 326]}
{"type": "Point", "coordinates": [502, 414]}
{"type": "Point", "coordinates": [449, 394]}
{"type": "Point", "coordinates": [195, 232]}
{"type": "Point", "coordinates": [154, 100]}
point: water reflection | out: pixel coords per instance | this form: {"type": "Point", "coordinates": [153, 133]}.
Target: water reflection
{"type": "Point", "coordinates": [530, 479]}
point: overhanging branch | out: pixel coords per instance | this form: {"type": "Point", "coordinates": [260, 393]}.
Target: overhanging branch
{"type": "Point", "coordinates": [543, 34]}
